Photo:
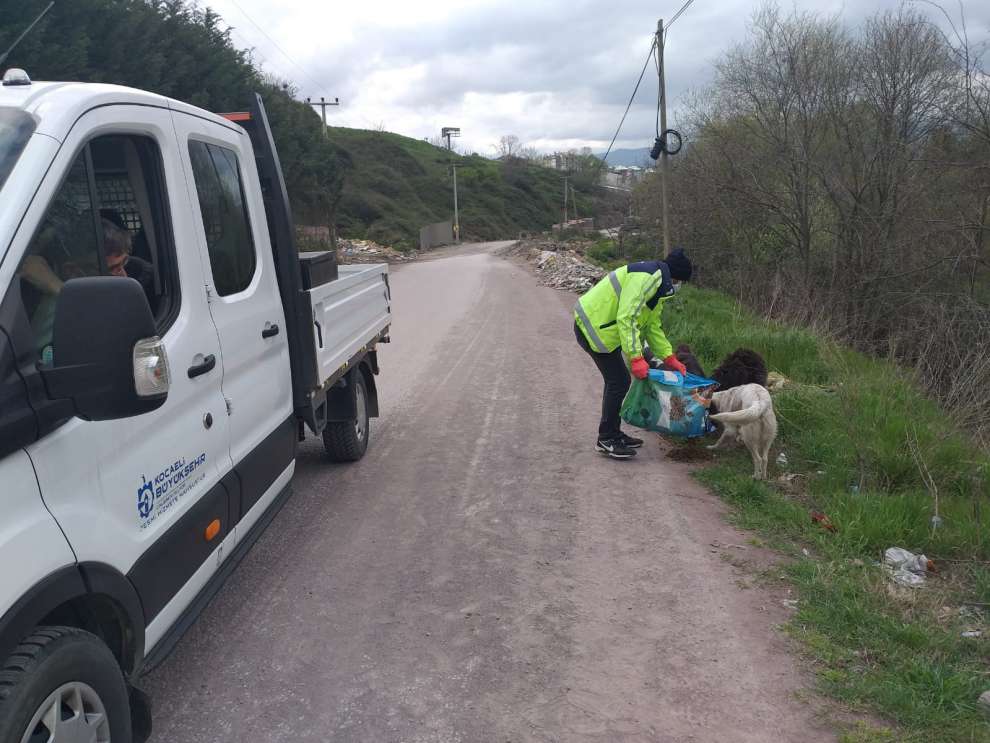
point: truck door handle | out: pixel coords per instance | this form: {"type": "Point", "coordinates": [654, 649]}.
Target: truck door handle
{"type": "Point", "coordinates": [269, 331]}
{"type": "Point", "coordinates": [198, 369]}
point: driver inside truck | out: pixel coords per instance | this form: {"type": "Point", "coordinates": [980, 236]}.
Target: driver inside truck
{"type": "Point", "coordinates": [47, 280]}
{"type": "Point", "coordinates": [118, 244]}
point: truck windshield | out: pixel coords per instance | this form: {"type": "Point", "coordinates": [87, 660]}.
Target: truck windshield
{"type": "Point", "coordinates": [16, 128]}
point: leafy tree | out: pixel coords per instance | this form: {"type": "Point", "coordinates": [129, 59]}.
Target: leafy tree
{"type": "Point", "coordinates": [177, 49]}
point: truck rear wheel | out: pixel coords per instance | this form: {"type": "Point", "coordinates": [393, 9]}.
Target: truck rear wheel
{"type": "Point", "coordinates": [62, 684]}
{"type": "Point", "coordinates": [347, 441]}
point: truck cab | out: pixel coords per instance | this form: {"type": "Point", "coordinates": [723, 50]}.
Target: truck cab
{"type": "Point", "coordinates": [161, 350]}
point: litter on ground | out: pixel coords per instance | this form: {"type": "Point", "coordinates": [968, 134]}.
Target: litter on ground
{"type": "Point", "coordinates": [823, 520]}
{"type": "Point", "coordinates": [906, 568]}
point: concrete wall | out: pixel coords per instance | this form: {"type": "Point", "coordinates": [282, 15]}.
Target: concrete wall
{"type": "Point", "coordinates": [433, 235]}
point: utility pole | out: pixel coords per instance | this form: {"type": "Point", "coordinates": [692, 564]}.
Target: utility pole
{"type": "Point", "coordinates": [446, 133]}
{"type": "Point", "coordinates": [323, 103]}
{"type": "Point", "coordinates": [565, 205]}
{"type": "Point", "coordinates": [663, 155]}
{"type": "Point", "coordinates": [457, 222]}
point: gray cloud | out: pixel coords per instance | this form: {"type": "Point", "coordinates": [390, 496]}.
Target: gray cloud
{"type": "Point", "coordinates": [550, 72]}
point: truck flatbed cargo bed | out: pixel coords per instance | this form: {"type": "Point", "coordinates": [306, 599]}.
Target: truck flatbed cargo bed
{"type": "Point", "coordinates": [349, 315]}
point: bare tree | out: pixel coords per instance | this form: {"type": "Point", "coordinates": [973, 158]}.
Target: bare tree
{"type": "Point", "coordinates": [508, 146]}
{"type": "Point", "coordinates": [841, 178]}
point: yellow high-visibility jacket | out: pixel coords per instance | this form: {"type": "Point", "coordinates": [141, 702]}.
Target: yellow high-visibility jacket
{"type": "Point", "coordinates": [625, 308]}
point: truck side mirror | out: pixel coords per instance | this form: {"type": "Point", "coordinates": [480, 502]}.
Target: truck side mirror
{"type": "Point", "coordinates": [106, 356]}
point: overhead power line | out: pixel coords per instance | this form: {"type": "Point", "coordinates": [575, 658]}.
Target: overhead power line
{"type": "Point", "coordinates": [284, 53]}
{"type": "Point", "coordinates": [678, 14]}
{"type": "Point", "coordinates": [642, 72]}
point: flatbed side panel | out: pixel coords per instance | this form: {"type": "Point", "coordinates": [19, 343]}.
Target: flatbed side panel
{"type": "Point", "coordinates": [350, 314]}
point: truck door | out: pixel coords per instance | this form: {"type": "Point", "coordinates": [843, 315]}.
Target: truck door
{"type": "Point", "coordinates": [145, 495]}
{"type": "Point", "coordinates": [246, 308]}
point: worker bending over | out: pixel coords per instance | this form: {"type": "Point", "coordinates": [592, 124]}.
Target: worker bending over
{"type": "Point", "coordinates": [615, 317]}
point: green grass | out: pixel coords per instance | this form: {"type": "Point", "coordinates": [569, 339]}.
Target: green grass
{"type": "Point", "coordinates": [606, 253]}
{"type": "Point", "coordinates": [398, 184]}
{"type": "Point", "coordinates": [871, 452]}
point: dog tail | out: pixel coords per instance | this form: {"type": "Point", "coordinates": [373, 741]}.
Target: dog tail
{"type": "Point", "coordinates": [747, 415]}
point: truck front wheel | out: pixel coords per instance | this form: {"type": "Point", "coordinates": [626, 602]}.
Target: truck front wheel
{"type": "Point", "coordinates": [62, 684]}
{"type": "Point", "coordinates": [347, 441]}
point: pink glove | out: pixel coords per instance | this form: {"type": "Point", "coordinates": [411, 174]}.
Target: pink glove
{"type": "Point", "coordinates": [640, 368]}
{"type": "Point", "coordinates": [673, 364]}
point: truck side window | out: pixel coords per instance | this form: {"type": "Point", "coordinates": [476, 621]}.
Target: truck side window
{"type": "Point", "coordinates": [225, 218]}
{"type": "Point", "coordinates": [108, 218]}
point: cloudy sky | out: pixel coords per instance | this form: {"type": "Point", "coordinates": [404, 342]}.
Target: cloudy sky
{"type": "Point", "coordinates": [556, 73]}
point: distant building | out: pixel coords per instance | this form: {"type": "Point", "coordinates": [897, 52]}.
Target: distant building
{"type": "Point", "coordinates": [556, 161]}
{"type": "Point", "coordinates": [565, 160]}
{"type": "Point", "coordinates": [624, 177]}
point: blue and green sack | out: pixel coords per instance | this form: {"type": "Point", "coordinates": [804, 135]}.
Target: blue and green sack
{"type": "Point", "coordinates": [666, 402]}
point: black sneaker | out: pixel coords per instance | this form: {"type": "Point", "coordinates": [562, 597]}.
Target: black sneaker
{"type": "Point", "coordinates": [615, 448]}
{"type": "Point", "coordinates": [631, 441]}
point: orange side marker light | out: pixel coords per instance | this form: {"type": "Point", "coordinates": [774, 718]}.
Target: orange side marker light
{"type": "Point", "coordinates": [212, 530]}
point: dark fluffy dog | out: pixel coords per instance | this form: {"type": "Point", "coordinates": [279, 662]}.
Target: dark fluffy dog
{"type": "Point", "coordinates": [742, 366]}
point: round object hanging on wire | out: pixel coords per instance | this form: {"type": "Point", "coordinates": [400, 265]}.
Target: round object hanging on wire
{"type": "Point", "coordinates": [657, 149]}
{"type": "Point", "coordinates": [670, 141]}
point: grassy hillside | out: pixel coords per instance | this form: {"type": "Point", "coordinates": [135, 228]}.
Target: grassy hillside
{"type": "Point", "coordinates": [397, 184]}
{"type": "Point", "coordinates": [868, 449]}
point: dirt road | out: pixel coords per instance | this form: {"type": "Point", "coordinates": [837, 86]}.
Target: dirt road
{"type": "Point", "coordinates": [483, 575]}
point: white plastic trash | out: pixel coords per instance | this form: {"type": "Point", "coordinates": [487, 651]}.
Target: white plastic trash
{"type": "Point", "coordinates": [896, 557]}
{"type": "Point", "coordinates": [904, 567]}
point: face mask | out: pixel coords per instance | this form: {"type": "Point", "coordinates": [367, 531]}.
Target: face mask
{"type": "Point", "coordinates": [676, 288]}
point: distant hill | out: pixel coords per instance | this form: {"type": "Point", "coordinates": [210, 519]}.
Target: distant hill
{"type": "Point", "coordinates": [639, 157]}
{"type": "Point", "coordinates": [397, 184]}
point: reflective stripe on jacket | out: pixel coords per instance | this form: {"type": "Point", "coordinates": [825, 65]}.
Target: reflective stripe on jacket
{"type": "Point", "coordinates": [625, 308]}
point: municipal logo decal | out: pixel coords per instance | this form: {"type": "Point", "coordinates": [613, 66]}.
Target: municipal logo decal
{"type": "Point", "coordinates": [158, 494]}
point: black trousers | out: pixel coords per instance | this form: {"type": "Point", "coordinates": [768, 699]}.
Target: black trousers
{"type": "Point", "coordinates": [616, 376]}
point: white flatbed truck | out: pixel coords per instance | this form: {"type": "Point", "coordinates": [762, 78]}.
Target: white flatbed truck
{"type": "Point", "coordinates": [162, 348]}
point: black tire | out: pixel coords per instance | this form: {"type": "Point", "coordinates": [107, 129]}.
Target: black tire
{"type": "Point", "coordinates": [348, 441]}
{"type": "Point", "coordinates": [50, 659]}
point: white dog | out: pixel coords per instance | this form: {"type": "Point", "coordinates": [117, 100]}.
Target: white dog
{"type": "Point", "coordinates": [747, 414]}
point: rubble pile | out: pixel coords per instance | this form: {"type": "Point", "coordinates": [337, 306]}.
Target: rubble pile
{"type": "Point", "coordinates": [559, 266]}
{"type": "Point", "coordinates": [368, 251]}
{"type": "Point", "coordinates": [567, 270]}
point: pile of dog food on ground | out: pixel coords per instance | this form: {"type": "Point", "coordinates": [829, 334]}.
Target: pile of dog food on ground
{"type": "Point", "coordinates": [558, 265]}
{"type": "Point", "coordinates": [368, 251]}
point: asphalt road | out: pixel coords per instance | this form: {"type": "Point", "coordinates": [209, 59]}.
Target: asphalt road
{"type": "Point", "coordinates": [482, 574]}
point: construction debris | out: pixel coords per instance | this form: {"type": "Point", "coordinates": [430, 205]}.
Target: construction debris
{"type": "Point", "coordinates": [558, 265]}
{"type": "Point", "coordinates": [577, 225]}
{"type": "Point", "coordinates": [368, 251]}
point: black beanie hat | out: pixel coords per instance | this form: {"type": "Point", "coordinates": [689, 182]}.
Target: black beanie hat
{"type": "Point", "coordinates": [679, 265]}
